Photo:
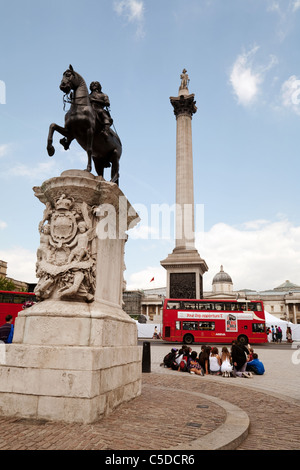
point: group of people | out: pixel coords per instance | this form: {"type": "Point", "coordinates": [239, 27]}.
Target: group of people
{"type": "Point", "coordinates": [276, 333]}
{"type": "Point", "coordinates": [240, 361]}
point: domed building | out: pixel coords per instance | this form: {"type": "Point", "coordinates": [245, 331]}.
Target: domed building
{"type": "Point", "coordinates": [222, 285]}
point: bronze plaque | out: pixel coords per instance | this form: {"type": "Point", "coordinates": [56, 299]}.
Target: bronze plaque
{"type": "Point", "coordinates": [183, 285]}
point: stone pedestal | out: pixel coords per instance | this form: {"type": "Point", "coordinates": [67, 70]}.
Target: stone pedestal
{"type": "Point", "coordinates": [185, 269]}
{"type": "Point", "coordinates": [74, 356]}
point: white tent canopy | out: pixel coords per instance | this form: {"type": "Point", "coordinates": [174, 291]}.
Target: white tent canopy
{"type": "Point", "coordinates": [146, 330]}
{"type": "Point", "coordinates": [272, 320]}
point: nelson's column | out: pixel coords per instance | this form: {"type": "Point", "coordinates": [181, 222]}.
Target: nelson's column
{"type": "Point", "coordinates": [185, 267]}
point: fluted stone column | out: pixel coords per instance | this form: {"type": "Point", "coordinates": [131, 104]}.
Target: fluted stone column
{"type": "Point", "coordinates": [184, 108]}
{"type": "Point", "coordinates": [184, 266]}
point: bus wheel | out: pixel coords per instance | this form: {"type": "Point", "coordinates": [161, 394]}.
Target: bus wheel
{"type": "Point", "coordinates": [188, 339]}
{"type": "Point", "coordinates": [243, 339]}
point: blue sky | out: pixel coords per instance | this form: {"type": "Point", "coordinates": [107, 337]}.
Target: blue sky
{"type": "Point", "coordinates": [243, 60]}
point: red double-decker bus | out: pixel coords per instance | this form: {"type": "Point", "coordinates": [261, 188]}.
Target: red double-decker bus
{"type": "Point", "coordinates": [213, 321]}
{"type": "Point", "coordinates": [11, 303]}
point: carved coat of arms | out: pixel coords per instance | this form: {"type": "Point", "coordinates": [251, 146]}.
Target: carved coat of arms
{"type": "Point", "coordinates": [63, 227]}
{"type": "Point", "coordinates": [66, 256]}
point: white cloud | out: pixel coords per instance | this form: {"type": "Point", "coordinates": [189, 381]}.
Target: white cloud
{"type": "Point", "coordinates": [290, 94]}
{"type": "Point", "coordinates": [283, 7]}
{"type": "Point", "coordinates": [4, 150]}
{"type": "Point", "coordinates": [244, 81]}
{"type": "Point", "coordinates": [296, 5]}
{"type": "Point", "coordinates": [20, 263]}
{"type": "Point", "coordinates": [133, 11]}
{"type": "Point", "coordinates": [40, 171]}
{"type": "Point", "coordinates": [143, 232]}
{"type": "Point", "coordinates": [246, 78]}
{"type": "Point", "coordinates": [258, 255]}
{"type": "Point", "coordinates": [3, 225]}
{"type": "Point", "coordinates": [285, 11]}
{"type": "Point", "coordinates": [255, 224]}
{"type": "Point", "coordinates": [273, 6]}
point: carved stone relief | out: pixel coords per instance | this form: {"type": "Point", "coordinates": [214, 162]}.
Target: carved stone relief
{"type": "Point", "coordinates": [66, 256]}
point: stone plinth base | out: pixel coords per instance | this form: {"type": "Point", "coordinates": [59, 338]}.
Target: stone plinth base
{"type": "Point", "coordinates": [185, 269]}
{"type": "Point", "coordinates": [74, 356]}
{"type": "Point", "coordinates": [75, 365]}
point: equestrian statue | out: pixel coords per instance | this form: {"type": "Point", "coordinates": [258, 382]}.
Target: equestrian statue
{"type": "Point", "coordinates": [89, 122]}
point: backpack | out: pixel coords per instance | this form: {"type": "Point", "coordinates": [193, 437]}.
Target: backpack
{"type": "Point", "coordinates": [183, 364]}
{"type": "Point", "coordinates": [169, 359]}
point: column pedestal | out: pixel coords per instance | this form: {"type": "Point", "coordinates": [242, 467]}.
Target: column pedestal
{"type": "Point", "coordinates": [185, 269]}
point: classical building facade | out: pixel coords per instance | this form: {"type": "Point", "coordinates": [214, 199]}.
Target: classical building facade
{"type": "Point", "coordinates": [19, 285]}
{"type": "Point", "coordinates": [282, 301]}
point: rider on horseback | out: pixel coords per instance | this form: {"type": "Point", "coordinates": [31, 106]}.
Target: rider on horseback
{"type": "Point", "coordinates": [100, 103]}
{"type": "Point", "coordinates": [88, 122]}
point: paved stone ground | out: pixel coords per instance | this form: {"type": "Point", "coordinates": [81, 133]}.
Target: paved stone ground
{"type": "Point", "coordinates": [156, 419]}
{"type": "Point", "coordinates": [170, 412]}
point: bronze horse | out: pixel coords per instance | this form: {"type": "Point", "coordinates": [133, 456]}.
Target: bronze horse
{"type": "Point", "coordinates": [81, 124]}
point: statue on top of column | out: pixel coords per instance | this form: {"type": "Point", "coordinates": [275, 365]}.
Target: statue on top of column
{"type": "Point", "coordinates": [184, 80]}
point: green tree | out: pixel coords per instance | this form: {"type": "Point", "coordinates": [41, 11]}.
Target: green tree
{"type": "Point", "coordinates": [6, 284]}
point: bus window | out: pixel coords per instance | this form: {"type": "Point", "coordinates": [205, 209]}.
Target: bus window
{"type": "Point", "coordinates": [227, 307]}
{"type": "Point", "coordinates": [189, 305]}
{"type": "Point", "coordinates": [218, 306]}
{"type": "Point", "coordinates": [177, 325]}
{"type": "Point", "coordinates": [258, 327]}
{"type": "Point", "coordinates": [241, 306]}
{"type": "Point", "coordinates": [205, 306]}
{"type": "Point", "coordinates": [20, 299]}
{"type": "Point", "coordinates": [207, 325]}
{"type": "Point", "coordinates": [173, 305]}
{"type": "Point", "coordinates": [6, 298]}
{"type": "Point", "coordinates": [189, 325]}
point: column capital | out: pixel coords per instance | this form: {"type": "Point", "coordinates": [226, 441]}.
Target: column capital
{"type": "Point", "coordinates": [184, 105]}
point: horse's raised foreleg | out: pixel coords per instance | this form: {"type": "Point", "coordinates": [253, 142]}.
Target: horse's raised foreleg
{"type": "Point", "coordinates": [66, 142]}
{"type": "Point", "coordinates": [52, 128]}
